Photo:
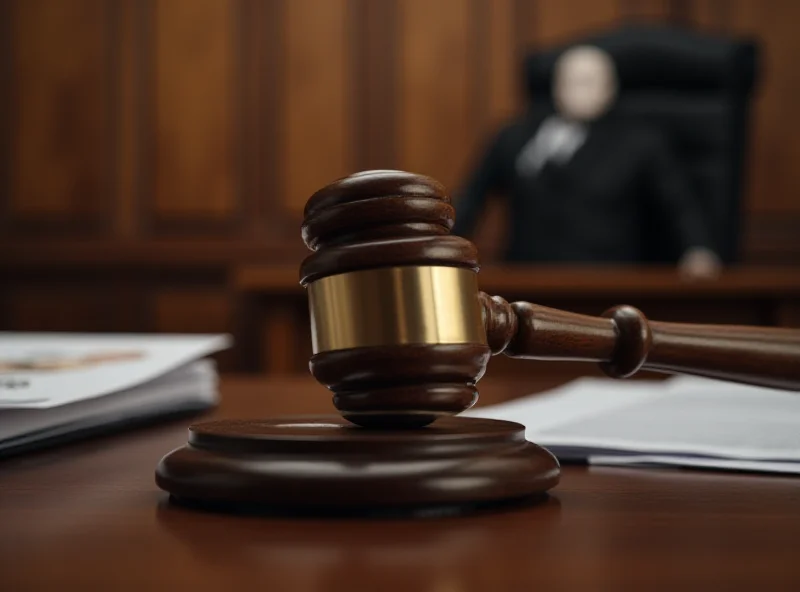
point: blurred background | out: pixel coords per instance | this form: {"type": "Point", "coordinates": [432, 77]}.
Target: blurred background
{"type": "Point", "coordinates": [156, 155]}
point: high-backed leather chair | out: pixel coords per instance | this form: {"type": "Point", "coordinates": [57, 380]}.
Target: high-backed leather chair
{"type": "Point", "coordinates": [697, 88]}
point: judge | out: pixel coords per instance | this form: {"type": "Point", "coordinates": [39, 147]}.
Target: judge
{"type": "Point", "coordinates": [583, 181]}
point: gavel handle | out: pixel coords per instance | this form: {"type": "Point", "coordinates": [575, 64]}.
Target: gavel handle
{"type": "Point", "coordinates": [623, 341]}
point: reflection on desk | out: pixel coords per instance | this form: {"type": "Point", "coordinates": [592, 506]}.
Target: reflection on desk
{"type": "Point", "coordinates": [88, 516]}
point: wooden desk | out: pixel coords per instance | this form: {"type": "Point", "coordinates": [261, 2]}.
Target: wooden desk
{"type": "Point", "coordinates": [89, 517]}
{"type": "Point", "coordinates": [275, 328]}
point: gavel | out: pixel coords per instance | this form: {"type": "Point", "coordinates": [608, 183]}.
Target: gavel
{"type": "Point", "coordinates": [401, 335]}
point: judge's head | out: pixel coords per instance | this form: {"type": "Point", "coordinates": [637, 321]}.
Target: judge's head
{"type": "Point", "coordinates": [584, 83]}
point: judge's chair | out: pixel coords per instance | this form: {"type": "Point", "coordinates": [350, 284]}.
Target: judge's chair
{"type": "Point", "coordinates": [697, 89]}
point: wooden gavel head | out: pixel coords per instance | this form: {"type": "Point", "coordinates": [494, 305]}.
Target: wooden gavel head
{"type": "Point", "coordinates": [397, 322]}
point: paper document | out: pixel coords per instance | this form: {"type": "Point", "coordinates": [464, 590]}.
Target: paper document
{"type": "Point", "coordinates": [40, 370]}
{"type": "Point", "coordinates": [682, 421]}
{"type": "Point", "coordinates": [59, 386]}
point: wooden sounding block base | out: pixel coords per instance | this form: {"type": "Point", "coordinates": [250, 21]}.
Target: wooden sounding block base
{"type": "Point", "coordinates": [324, 464]}
{"type": "Point", "coordinates": [401, 334]}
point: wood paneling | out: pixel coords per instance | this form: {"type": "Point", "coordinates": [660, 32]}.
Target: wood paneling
{"type": "Point", "coordinates": [61, 112]}
{"type": "Point", "coordinates": [6, 127]}
{"type": "Point", "coordinates": [771, 207]}
{"type": "Point", "coordinates": [711, 15]}
{"type": "Point", "coordinates": [434, 124]}
{"type": "Point", "coordinates": [197, 309]}
{"type": "Point", "coordinates": [775, 145]}
{"type": "Point", "coordinates": [645, 10]}
{"type": "Point", "coordinates": [562, 21]}
{"type": "Point", "coordinates": [196, 117]}
{"type": "Point", "coordinates": [502, 78]}
{"type": "Point", "coordinates": [128, 25]}
{"type": "Point", "coordinates": [526, 15]}
{"type": "Point", "coordinates": [772, 238]}
{"type": "Point", "coordinates": [317, 137]}
{"type": "Point", "coordinates": [161, 139]}
{"type": "Point", "coordinates": [194, 151]}
{"type": "Point", "coordinates": [260, 58]}
{"type": "Point", "coordinates": [374, 97]}
{"type": "Point", "coordinates": [187, 310]}
{"type": "Point", "coordinates": [58, 307]}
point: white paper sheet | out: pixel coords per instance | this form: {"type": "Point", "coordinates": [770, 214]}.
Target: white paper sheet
{"type": "Point", "coordinates": [684, 421]}
{"type": "Point", "coordinates": [43, 370]}
{"type": "Point", "coordinates": [195, 383]}
{"type": "Point", "coordinates": [697, 463]}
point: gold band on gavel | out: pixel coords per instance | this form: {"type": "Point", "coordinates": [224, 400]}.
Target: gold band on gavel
{"type": "Point", "coordinates": [395, 305]}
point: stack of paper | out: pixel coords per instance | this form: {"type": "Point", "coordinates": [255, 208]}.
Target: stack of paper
{"type": "Point", "coordinates": [57, 387]}
{"type": "Point", "coordinates": [683, 421]}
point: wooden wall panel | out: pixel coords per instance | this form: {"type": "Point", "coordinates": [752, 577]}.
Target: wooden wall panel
{"type": "Point", "coordinates": [771, 208]}
{"type": "Point", "coordinates": [128, 84]}
{"type": "Point", "coordinates": [375, 39]}
{"type": "Point", "coordinates": [260, 27]}
{"type": "Point", "coordinates": [196, 116]}
{"type": "Point", "coordinates": [775, 145]}
{"type": "Point", "coordinates": [502, 81]}
{"type": "Point", "coordinates": [645, 10]}
{"type": "Point", "coordinates": [562, 21]}
{"type": "Point", "coordinates": [193, 310]}
{"type": "Point", "coordinates": [435, 128]}
{"type": "Point", "coordinates": [58, 306]}
{"type": "Point", "coordinates": [711, 15]}
{"type": "Point", "coordinates": [220, 117]}
{"type": "Point", "coordinates": [317, 137]}
{"type": "Point", "coordinates": [186, 135]}
{"type": "Point", "coordinates": [526, 15]}
{"type": "Point", "coordinates": [61, 151]}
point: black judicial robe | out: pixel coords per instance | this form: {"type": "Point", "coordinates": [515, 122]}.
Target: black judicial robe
{"type": "Point", "coordinates": [621, 198]}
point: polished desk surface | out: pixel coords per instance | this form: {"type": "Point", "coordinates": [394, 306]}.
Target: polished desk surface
{"type": "Point", "coordinates": [89, 517]}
